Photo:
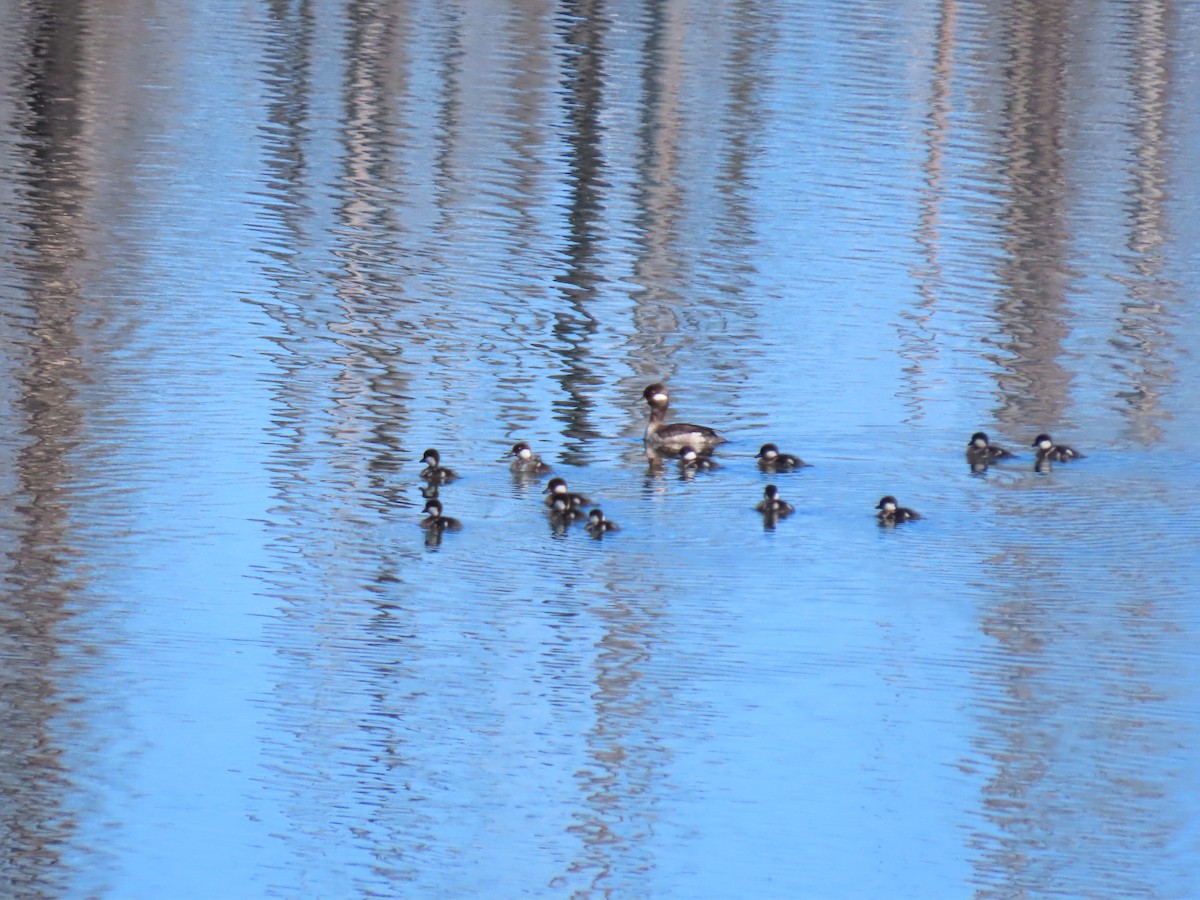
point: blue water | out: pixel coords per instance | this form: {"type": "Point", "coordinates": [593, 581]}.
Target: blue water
{"type": "Point", "coordinates": [256, 259]}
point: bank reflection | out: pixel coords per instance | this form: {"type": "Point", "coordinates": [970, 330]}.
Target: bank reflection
{"type": "Point", "coordinates": [42, 575]}
{"type": "Point", "coordinates": [693, 315]}
{"type": "Point", "coordinates": [1143, 340]}
{"type": "Point", "coordinates": [1034, 386]}
{"type": "Point", "coordinates": [583, 26]}
{"type": "Point", "coordinates": [341, 463]}
{"type": "Point", "coordinates": [626, 756]}
{"type": "Point", "coordinates": [917, 340]}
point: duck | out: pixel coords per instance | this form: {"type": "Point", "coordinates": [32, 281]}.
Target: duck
{"type": "Point", "coordinates": [526, 462]}
{"type": "Point", "coordinates": [691, 461]}
{"type": "Point", "coordinates": [772, 505]}
{"type": "Point", "coordinates": [434, 472]}
{"type": "Point", "coordinates": [563, 512]}
{"type": "Point", "coordinates": [771, 460]}
{"type": "Point", "coordinates": [890, 512]}
{"type": "Point", "coordinates": [556, 489]}
{"type": "Point", "coordinates": [435, 521]}
{"type": "Point", "coordinates": [677, 435]}
{"type": "Point", "coordinates": [1048, 451]}
{"type": "Point", "coordinates": [597, 525]}
{"type": "Point", "coordinates": [981, 453]}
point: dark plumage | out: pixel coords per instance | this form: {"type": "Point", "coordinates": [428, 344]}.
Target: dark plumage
{"type": "Point", "coordinates": [597, 525]}
{"type": "Point", "coordinates": [771, 460]}
{"type": "Point", "coordinates": [435, 521]}
{"type": "Point", "coordinates": [981, 453]}
{"type": "Point", "coordinates": [563, 512]}
{"type": "Point", "coordinates": [1048, 451]}
{"type": "Point", "coordinates": [556, 489]}
{"type": "Point", "coordinates": [891, 513]}
{"type": "Point", "coordinates": [434, 472]}
{"type": "Point", "coordinates": [772, 505]}
{"type": "Point", "coordinates": [526, 462]}
{"type": "Point", "coordinates": [690, 460]}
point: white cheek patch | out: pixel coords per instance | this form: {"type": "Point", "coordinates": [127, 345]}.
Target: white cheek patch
{"type": "Point", "coordinates": [660, 398]}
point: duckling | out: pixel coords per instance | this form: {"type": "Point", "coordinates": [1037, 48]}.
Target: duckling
{"type": "Point", "coordinates": [771, 460]}
{"type": "Point", "coordinates": [691, 461]}
{"type": "Point", "coordinates": [772, 505]}
{"type": "Point", "coordinates": [435, 521]}
{"type": "Point", "coordinates": [678, 434]}
{"type": "Point", "coordinates": [434, 472]}
{"type": "Point", "coordinates": [557, 488]}
{"type": "Point", "coordinates": [526, 462]}
{"type": "Point", "coordinates": [597, 525]}
{"type": "Point", "coordinates": [981, 453]}
{"type": "Point", "coordinates": [563, 512]}
{"type": "Point", "coordinates": [890, 512]}
{"type": "Point", "coordinates": [1048, 451]}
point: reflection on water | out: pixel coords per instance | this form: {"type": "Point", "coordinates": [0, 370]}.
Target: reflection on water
{"type": "Point", "coordinates": [257, 259]}
{"type": "Point", "coordinates": [45, 571]}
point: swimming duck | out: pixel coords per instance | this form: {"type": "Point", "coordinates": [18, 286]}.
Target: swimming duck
{"type": "Point", "coordinates": [691, 461]}
{"type": "Point", "coordinates": [434, 472]}
{"type": "Point", "coordinates": [597, 525]}
{"type": "Point", "coordinates": [1048, 451]}
{"type": "Point", "coordinates": [891, 512]}
{"type": "Point", "coordinates": [563, 512]}
{"type": "Point", "coordinates": [981, 453]}
{"type": "Point", "coordinates": [526, 462]}
{"type": "Point", "coordinates": [677, 435]}
{"type": "Point", "coordinates": [771, 460]}
{"type": "Point", "coordinates": [556, 489]}
{"type": "Point", "coordinates": [772, 505]}
{"type": "Point", "coordinates": [435, 521]}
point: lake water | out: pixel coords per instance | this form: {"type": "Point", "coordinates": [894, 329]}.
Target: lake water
{"type": "Point", "coordinates": [257, 257]}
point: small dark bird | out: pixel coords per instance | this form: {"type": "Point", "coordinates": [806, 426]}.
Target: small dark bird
{"type": "Point", "coordinates": [564, 513]}
{"type": "Point", "coordinates": [691, 461]}
{"type": "Point", "coordinates": [891, 513]}
{"type": "Point", "coordinates": [981, 453]}
{"type": "Point", "coordinates": [434, 472]}
{"type": "Point", "coordinates": [556, 488]}
{"type": "Point", "coordinates": [526, 462]}
{"type": "Point", "coordinates": [1048, 451]}
{"type": "Point", "coordinates": [597, 525]}
{"type": "Point", "coordinates": [771, 460]}
{"type": "Point", "coordinates": [435, 521]}
{"type": "Point", "coordinates": [772, 505]}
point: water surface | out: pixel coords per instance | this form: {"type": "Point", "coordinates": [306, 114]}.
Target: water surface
{"type": "Point", "coordinates": [257, 258]}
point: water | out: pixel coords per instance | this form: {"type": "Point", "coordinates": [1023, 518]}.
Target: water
{"type": "Point", "coordinates": [257, 258]}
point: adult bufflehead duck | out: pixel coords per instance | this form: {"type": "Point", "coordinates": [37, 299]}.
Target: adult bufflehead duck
{"type": "Point", "coordinates": [772, 505]}
{"type": "Point", "coordinates": [1048, 451]}
{"type": "Point", "coordinates": [677, 435]}
{"type": "Point", "coordinates": [771, 460]}
{"type": "Point", "coordinates": [891, 512]}
{"type": "Point", "coordinates": [556, 489]}
{"type": "Point", "coordinates": [981, 453]}
{"type": "Point", "coordinates": [597, 525]}
{"type": "Point", "coordinates": [434, 472]}
{"type": "Point", "coordinates": [435, 521]}
{"type": "Point", "coordinates": [691, 461]}
{"type": "Point", "coordinates": [526, 462]}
